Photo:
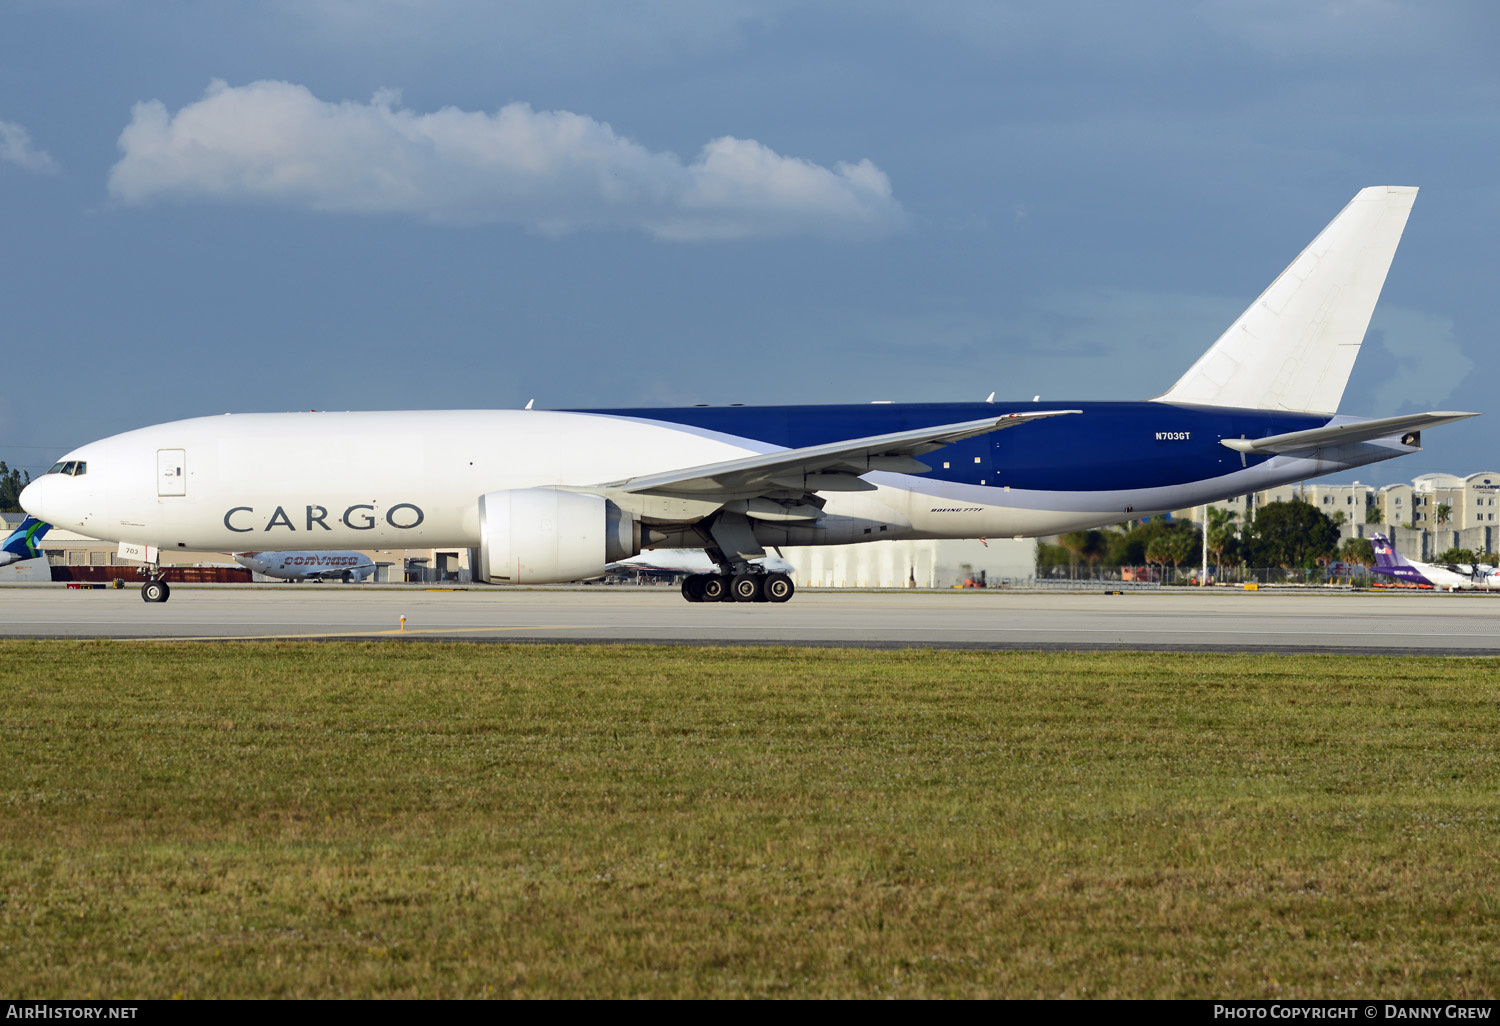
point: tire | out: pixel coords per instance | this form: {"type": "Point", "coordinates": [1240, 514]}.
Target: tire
{"type": "Point", "coordinates": [155, 591]}
{"type": "Point", "coordinates": [346, 577]}
{"type": "Point", "coordinates": [779, 588]}
{"type": "Point", "coordinates": [746, 587]}
{"type": "Point", "coordinates": [692, 587]}
{"type": "Point", "coordinates": [716, 588]}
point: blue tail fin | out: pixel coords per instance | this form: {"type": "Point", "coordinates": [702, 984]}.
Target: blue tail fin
{"type": "Point", "coordinates": [25, 541]}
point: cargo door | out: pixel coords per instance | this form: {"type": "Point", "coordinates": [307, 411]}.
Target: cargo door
{"type": "Point", "coordinates": [171, 472]}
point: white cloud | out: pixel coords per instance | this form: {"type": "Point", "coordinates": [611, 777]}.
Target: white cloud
{"type": "Point", "coordinates": [15, 147]}
{"type": "Point", "coordinates": [549, 171]}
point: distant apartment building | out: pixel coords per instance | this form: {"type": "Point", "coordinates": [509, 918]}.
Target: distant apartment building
{"type": "Point", "coordinates": [1352, 500]}
{"type": "Point", "coordinates": [1472, 501]}
{"type": "Point", "coordinates": [1397, 503]}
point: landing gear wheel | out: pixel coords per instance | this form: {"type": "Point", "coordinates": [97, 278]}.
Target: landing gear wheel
{"type": "Point", "coordinates": [155, 591]}
{"type": "Point", "coordinates": [692, 587]}
{"type": "Point", "coordinates": [346, 577]}
{"type": "Point", "coordinates": [779, 587]}
{"type": "Point", "coordinates": [715, 588]}
{"type": "Point", "coordinates": [746, 587]}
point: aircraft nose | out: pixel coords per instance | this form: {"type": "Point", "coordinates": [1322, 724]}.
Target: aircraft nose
{"type": "Point", "coordinates": [33, 499]}
{"type": "Point", "coordinates": [60, 501]}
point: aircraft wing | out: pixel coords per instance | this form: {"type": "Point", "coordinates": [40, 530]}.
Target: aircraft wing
{"type": "Point", "coordinates": [1342, 434]}
{"type": "Point", "coordinates": [835, 466]}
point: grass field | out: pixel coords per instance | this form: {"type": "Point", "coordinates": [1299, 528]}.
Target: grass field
{"type": "Point", "coordinates": [429, 820]}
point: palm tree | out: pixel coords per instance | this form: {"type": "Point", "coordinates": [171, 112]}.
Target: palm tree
{"type": "Point", "coordinates": [1221, 530]}
{"type": "Point", "coordinates": [1175, 547]}
{"type": "Point", "coordinates": [1358, 550]}
{"type": "Point", "coordinates": [1075, 542]}
{"type": "Point", "coordinates": [1156, 552]}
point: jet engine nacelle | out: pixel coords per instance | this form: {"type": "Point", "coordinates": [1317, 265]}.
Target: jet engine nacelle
{"type": "Point", "coordinates": [542, 536]}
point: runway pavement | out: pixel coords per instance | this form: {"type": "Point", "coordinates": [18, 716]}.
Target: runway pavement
{"type": "Point", "coordinates": [1218, 620]}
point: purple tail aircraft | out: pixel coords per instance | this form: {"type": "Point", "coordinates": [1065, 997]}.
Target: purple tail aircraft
{"type": "Point", "coordinates": [1444, 577]}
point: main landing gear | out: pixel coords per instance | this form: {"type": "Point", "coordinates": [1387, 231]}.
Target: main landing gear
{"type": "Point", "coordinates": [744, 587]}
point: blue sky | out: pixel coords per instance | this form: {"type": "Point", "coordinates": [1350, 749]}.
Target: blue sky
{"type": "Point", "coordinates": [329, 204]}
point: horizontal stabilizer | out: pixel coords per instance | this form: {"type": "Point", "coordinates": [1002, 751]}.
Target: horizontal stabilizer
{"type": "Point", "coordinates": [1343, 434]}
{"type": "Point", "coordinates": [834, 466]}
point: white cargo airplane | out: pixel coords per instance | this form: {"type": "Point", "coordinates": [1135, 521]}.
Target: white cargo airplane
{"type": "Point", "coordinates": [308, 566]}
{"type": "Point", "coordinates": [558, 495]}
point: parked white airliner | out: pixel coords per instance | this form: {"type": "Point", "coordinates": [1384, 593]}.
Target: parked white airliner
{"type": "Point", "coordinates": [558, 495]}
{"type": "Point", "coordinates": [308, 566]}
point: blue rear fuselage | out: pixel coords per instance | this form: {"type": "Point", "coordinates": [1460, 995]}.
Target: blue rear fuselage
{"type": "Point", "coordinates": [1107, 447]}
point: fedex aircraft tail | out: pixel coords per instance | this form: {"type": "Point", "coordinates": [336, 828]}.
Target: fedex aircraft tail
{"type": "Point", "coordinates": [1392, 564]}
{"type": "Point", "coordinates": [24, 541]}
{"type": "Point", "coordinates": [1294, 347]}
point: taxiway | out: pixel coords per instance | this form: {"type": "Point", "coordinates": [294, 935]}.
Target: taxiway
{"type": "Point", "coordinates": [1175, 620]}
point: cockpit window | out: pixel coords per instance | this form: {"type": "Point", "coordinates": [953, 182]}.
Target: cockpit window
{"type": "Point", "coordinates": [73, 468]}
{"type": "Point", "coordinates": [57, 468]}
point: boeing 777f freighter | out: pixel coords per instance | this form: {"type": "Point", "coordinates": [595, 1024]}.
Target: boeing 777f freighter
{"type": "Point", "coordinates": [558, 495]}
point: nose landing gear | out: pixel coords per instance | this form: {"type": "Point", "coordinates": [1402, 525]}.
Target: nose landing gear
{"type": "Point", "coordinates": [155, 589]}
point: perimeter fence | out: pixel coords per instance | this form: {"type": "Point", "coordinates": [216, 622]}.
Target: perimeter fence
{"type": "Point", "coordinates": [1338, 575]}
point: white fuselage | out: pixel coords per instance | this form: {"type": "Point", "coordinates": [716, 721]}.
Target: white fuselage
{"type": "Point", "coordinates": [412, 479]}
{"type": "Point", "coordinates": [1441, 577]}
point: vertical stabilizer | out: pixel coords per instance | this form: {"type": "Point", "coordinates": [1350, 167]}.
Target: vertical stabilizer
{"type": "Point", "coordinates": [24, 542]}
{"type": "Point", "coordinates": [1294, 347]}
{"type": "Point", "coordinates": [1392, 564]}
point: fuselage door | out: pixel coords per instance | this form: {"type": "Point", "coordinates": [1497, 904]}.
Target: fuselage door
{"type": "Point", "coordinates": [171, 472]}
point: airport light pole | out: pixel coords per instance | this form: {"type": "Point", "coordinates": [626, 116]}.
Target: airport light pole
{"type": "Point", "coordinates": [1203, 518]}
